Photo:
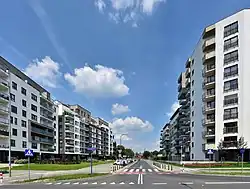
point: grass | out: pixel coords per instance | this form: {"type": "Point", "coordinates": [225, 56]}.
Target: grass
{"type": "Point", "coordinates": [223, 173]}
{"type": "Point", "coordinates": [65, 177]}
{"type": "Point", "coordinates": [56, 167]}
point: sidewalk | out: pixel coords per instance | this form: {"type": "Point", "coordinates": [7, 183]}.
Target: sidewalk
{"type": "Point", "coordinates": [19, 175]}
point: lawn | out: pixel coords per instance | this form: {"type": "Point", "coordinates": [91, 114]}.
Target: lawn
{"type": "Point", "coordinates": [66, 177]}
{"type": "Point", "coordinates": [57, 167]}
{"type": "Point", "coordinates": [223, 173]}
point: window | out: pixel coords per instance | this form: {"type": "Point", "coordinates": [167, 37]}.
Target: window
{"type": "Point", "coordinates": [231, 100]}
{"type": "Point", "coordinates": [24, 145]}
{"type": "Point", "coordinates": [11, 119]}
{"type": "Point", "coordinates": [14, 132]}
{"type": "Point", "coordinates": [192, 113]}
{"type": "Point", "coordinates": [231, 71]}
{"type": "Point", "coordinates": [230, 113]}
{"type": "Point", "coordinates": [192, 134]}
{"type": "Point", "coordinates": [12, 97]}
{"type": "Point", "coordinates": [193, 83]}
{"type": "Point", "coordinates": [211, 104]}
{"type": "Point", "coordinates": [33, 97]}
{"type": "Point", "coordinates": [15, 121]}
{"type": "Point", "coordinates": [231, 85]}
{"type": "Point", "coordinates": [33, 107]}
{"type": "Point", "coordinates": [33, 117]}
{"type": "Point", "coordinates": [231, 29]}
{"type": "Point", "coordinates": [23, 91]}
{"type": "Point", "coordinates": [14, 85]}
{"type": "Point", "coordinates": [211, 92]}
{"type": "Point", "coordinates": [192, 156]}
{"type": "Point", "coordinates": [231, 57]}
{"type": "Point", "coordinates": [12, 143]}
{"type": "Point", "coordinates": [34, 145]}
{"type": "Point", "coordinates": [24, 134]}
{"type": "Point", "coordinates": [24, 113]}
{"type": "Point", "coordinates": [192, 124]}
{"type": "Point", "coordinates": [13, 109]}
{"type": "Point", "coordinates": [192, 103]}
{"type": "Point", "coordinates": [24, 103]}
{"type": "Point", "coordinates": [231, 43]}
{"type": "Point", "coordinates": [210, 79]}
{"type": "Point", "coordinates": [192, 93]}
{"type": "Point", "coordinates": [24, 123]}
{"type": "Point", "coordinates": [192, 144]}
{"type": "Point", "coordinates": [192, 72]}
{"type": "Point", "coordinates": [211, 117]}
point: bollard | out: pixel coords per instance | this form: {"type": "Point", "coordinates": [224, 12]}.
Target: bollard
{"type": "Point", "coordinates": [161, 166]}
{"type": "Point", "coordinates": [168, 166]}
{"type": "Point", "coordinates": [1, 178]}
{"type": "Point", "coordinates": [171, 167]}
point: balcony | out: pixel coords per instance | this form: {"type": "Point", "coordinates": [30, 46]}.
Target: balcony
{"type": "Point", "coordinates": [209, 32]}
{"type": "Point", "coordinates": [3, 72]}
{"type": "Point", "coordinates": [207, 146]}
{"type": "Point", "coordinates": [232, 73]}
{"type": "Point", "coordinates": [208, 57]}
{"type": "Point", "coordinates": [230, 116]}
{"type": "Point", "coordinates": [208, 44]}
{"type": "Point", "coordinates": [231, 102]}
{"type": "Point", "coordinates": [230, 144]}
{"type": "Point", "coordinates": [4, 98]}
{"type": "Point", "coordinates": [187, 83]}
{"type": "Point", "coordinates": [208, 96]}
{"type": "Point", "coordinates": [208, 122]}
{"type": "Point", "coordinates": [47, 149]}
{"type": "Point", "coordinates": [230, 130]}
{"type": "Point", "coordinates": [4, 134]}
{"type": "Point", "coordinates": [4, 111]}
{"type": "Point", "coordinates": [208, 109]}
{"type": "Point", "coordinates": [208, 70]}
{"type": "Point", "coordinates": [3, 85]}
{"type": "Point", "coordinates": [209, 133]}
{"type": "Point", "coordinates": [42, 140]}
{"type": "Point", "coordinates": [42, 132]}
{"type": "Point", "coordinates": [209, 83]}
{"type": "Point", "coordinates": [187, 73]}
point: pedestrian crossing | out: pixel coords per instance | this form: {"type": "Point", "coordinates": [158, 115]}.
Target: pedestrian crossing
{"type": "Point", "coordinates": [91, 183]}
{"type": "Point", "coordinates": [139, 171]}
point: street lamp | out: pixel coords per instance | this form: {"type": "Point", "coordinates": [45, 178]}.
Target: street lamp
{"type": "Point", "coordinates": [120, 151]}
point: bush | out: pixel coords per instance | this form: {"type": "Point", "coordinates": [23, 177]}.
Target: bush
{"type": "Point", "coordinates": [21, 161]}
{"type": "Point", "coordinates": [201, 165]}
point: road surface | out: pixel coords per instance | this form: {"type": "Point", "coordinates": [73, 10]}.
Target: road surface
{"type": "Point", "coordinates": [143, 175]}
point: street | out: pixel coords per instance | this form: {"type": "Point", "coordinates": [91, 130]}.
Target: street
{"type": "Point", "coordinates": [143, 175]}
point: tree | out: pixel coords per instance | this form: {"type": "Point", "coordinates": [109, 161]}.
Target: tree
{"type": "Point", "coordinates": [221, 149]}
{"type": "Point", "coordinates": [155, 153]}
{"type": "Point", "coordinates": [146, 154]}
{"type": "Point", "coordinates": [241, 143]}
{"type": "Point", "coordinates": [129, 152]}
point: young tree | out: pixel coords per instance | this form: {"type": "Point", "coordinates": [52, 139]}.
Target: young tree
{"type": "Point", "coordinates": [221, 149]}
{"type": "Point", "coordinates": [241, 143]}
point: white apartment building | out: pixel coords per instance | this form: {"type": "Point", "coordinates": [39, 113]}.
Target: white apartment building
{"type": "Point", "coordinates": [219, 99]}
{"type": "Point", "coordinates": [26, 112]}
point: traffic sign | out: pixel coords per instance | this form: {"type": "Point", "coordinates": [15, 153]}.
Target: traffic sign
{"type": "Point", "coordinates": [210, 151]}
{"type": "Point", "coordinates": [28, 153]}
{"type": "Point", "coordinates": [120, 151]}
{"type": "Point", "coordinates": [91, 149]}
{"type": "Point", "coordinates": [242, 150]}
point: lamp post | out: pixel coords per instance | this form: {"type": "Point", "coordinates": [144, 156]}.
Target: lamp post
{"type": "Point", "coordinates": [120, 151]}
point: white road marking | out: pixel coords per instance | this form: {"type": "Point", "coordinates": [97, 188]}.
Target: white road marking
{"type": "Point", "coordinates": [75, 183]}
{"type": "Point", "coordinates": [143, 170]}
{"type": "Point", "coordinates": [149, 170]}
{"type": "Point", "coordinates": [94, 183]}
{"type": "Point", "coordinates": [141, 178]}
{"type": "Point", "coordinates": [137, 170]}
{"type": "Point", "coordinates": [112, 183]}
{"type": "Point", "coordinates": [85, 183]}
{"type": "Point", "coordinates": [140, 166]}
{"type": "Point", "coordinates": [58, 183]}
{"type": "Point", "coordinates": [48, 183]}
{"type": "Point", "coordinates": [67, 183]}
{"type": "Point", "coordinates": [159, 183]}
{"type": "Point", "coordinates": [214, 183]}
{"type": "Point", "coordinates": [156, 170]}
{"type": "Point", "coordinates": [104, 183]}
{"type": "Point", "coordinates": [122, 183]}
{"type": "Point", "coordinates": [131, 183]}
{"type": "Point", "coordinates": [125, 170]}
{"type": "Point", "coordinates": [131, 170]}
{"type": "Point", "coordinates": [186, 183]}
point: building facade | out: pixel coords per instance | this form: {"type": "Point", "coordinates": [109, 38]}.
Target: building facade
{"type": "Point", "coordinates": [214, 100]}
{"type": "Point", "coordinates": [29, 118]}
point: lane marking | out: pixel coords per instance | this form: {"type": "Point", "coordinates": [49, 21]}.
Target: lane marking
{"type": "Point", "coordinates": [137, 170]}
{"type": "Point", "coordinates": [122, 183]}
{"type": "Point", "coordinates": [48, 183]}
{"type": "Point", "coordinates": [104, 183]}
{"type": "Point", "coordinates": [143, 170]}
{"type": "Point", "coordinates": [131, 183]}
{"type": "Point", "coordinates": [186, 183]}
{"type": "Point", "coordinates": [58, 183]}
{"type": "Point", "coordinates": [85, 183]}
{"type": "Point", "coordinates": [214, 183]}
{"type": "Point", "coordinates": [112, 183]}
{"type": "Point", "coordinates": [125, 170]}
{"type": "Point", "coordinates": [75, 183]}
{"type": "Point", "coordinates": [149, 170]}
{"type": "Point", "coordinates": [94, 183]}
{"type": "Point", "coordinates": [140, 166]}
{"type": "Point", "coordinates": [67, 183]}
{"type": "Point", "coordinates": [141, 178]}
{"type": "Point", "coordinates": [156, 170]}
{"type": "Point", "coordinates": [131, 170]}
{"type": "Point", "coordinates": [159, 183]}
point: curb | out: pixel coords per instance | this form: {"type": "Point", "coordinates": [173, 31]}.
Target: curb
{"type": "Point", "coordinates": [220, 175]}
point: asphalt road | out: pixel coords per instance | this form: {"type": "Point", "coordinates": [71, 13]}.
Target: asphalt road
{"type": "Point", "coordinates": [141, 177]}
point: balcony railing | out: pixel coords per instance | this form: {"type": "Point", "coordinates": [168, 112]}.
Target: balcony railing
{"type": "Point", "coordinates": [208, 108]}
{"type": "Point", "coordinates": [230, 74]}
{"type": "Point", "coordinates": [208, 43]}
{"type": "Point", "coordinates": [208, 56]}
{"type": "Point", "coordinates": [208, 69]}
{"type": "Point", "coordinates": [230, 144]}
{"type": "Point", "coordinates": [230, 116]}
{"type": "Point", "coordinates": [208, 121]}
{"type": "Point", "coordinates": [208, 133]}
{"type": "Point", "coordinates": [40, 131]}
{"type": "Point", "coordinates": [227, 130]}
{"type": "Point", "coordinates": [232, 101]}
{"type": "Point", "coordinates": [233, 87]}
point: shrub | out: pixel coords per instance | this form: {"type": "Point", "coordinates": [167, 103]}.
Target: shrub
{"type": "Point", "coordinates": [21, 161]}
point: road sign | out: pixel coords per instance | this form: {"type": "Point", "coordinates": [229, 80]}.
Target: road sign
{"type": "Point", "coordinates": [120, 151]}
{"type": "Point", "coordinates": [210, 151]}
{"type": "Point", "coordinates": [28, 153]}
{"type": "Point", "coordinates": [91, 149]}
{"type": "Point", "coordinates": [242, 150]}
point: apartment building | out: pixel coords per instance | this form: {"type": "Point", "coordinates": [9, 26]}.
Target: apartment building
{"type": "Point", "coordinates": [165, 141]}
{"type": "Point", "coordinates": [214, 100]}
{"type": "Point", "coordinates": [26, 114]}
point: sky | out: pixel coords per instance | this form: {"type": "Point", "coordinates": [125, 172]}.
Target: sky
{"type": "Point", "coordinates": [120, 59]}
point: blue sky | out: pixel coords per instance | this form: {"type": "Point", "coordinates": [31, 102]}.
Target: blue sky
{"type": "Point", "coordinates": [125, 54]}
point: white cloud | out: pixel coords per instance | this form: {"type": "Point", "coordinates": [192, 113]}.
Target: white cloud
{"type": "Point", "coordinates": [45, 71]}
{"type": "Point", "coordinates": [174, 107]}
{"type": "Point", "coordinates": [100, 5]}
{"type": "Point", "coordinates": [119, 109]}
{"type": "Point", "coordinates": [124, 137]}
{"type": "Point", "coordinates": [127, 10]}
{"type": "Point", "coordinates": [100, 81]}
{"type": "Point", "coordinates": [130, 124]}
